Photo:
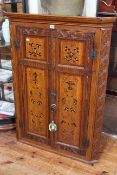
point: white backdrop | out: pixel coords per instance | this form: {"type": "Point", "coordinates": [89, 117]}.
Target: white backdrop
{"type": "Point", "coordinates": [34, 6]}
{"type": "Point", "coordinates": [90, 7]}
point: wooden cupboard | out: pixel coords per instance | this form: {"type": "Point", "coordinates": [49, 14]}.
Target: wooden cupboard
{"type": "Point", "coordinates": [60, 67]}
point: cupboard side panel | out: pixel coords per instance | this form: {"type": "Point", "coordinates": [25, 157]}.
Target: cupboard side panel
{"type": "Point", "coordinates": [101, 91]}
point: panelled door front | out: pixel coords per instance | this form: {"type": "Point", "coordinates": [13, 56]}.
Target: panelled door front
{"type": "Point", "coordinates": [55, 83]}
{"type": "Point", "coordinates": [34, 82]}
{"type": "Point", "coordinates": [72, 72]}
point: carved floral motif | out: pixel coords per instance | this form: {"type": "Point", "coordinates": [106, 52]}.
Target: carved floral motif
{"type": "Point", "coordinates": [72, 52]}
{"type": "Point", "coordinates": [36, 101]}
{"type": "Point", "coordinates": [35, 31]}
{"type": "Point", "coordinates": [35, 47]}
{"type": "Point", "coordinates": [70, 109]}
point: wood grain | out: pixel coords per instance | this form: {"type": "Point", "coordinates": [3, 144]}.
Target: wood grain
{"type": "Point", "coordinates": [18, 158]}
{"type": "Point", "coordinates": [37, 86]}
{"type": "Point", "coordinates": [73, 19]}
{"type": "Point", "coordinates": [102, 79]}
{"type": "Point", "coordinates": [70, 74]}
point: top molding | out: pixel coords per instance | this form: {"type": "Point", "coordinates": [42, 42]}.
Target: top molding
{"type": "Point", "coordinates": [73, 19]}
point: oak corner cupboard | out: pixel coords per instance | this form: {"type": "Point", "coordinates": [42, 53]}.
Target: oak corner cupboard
{"type": "Point", "coordinates": [60, 67]}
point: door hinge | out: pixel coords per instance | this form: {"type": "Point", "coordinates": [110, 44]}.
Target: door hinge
{"type": "Point", "coordinates": [16, 44]}
{"type": "Point", "coordinates": [94, 54]}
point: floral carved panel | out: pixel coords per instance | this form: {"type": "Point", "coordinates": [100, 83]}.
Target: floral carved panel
{"type": "Point", "coordinates": [70, 107]}
{"type": "Point", "coordinates": [72, 52]}
{"type": "Point", "coordinates": [37, 101]}
{"type": "Point", "coordinates": [35, 48]}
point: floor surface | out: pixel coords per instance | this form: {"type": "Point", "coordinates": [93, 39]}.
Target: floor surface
{"type": "Point", "coordinates": [110, 115]}
{"type": "Point", "coordinates": [20, 159]}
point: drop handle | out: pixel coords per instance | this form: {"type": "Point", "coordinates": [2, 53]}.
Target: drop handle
{"type": "Point", "coordinates": [53, 107]}
{"type": "Point", "coordinates": [52, 127]}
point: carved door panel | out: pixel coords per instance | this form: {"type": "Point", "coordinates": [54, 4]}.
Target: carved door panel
{"type": "Point", "coordinates": [34, 83]}
{"type": "Point", "coordinates": [73, 79]}
{"type": "Point", "coordinates": [55, 78]}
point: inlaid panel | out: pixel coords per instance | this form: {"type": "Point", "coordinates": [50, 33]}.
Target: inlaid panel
{"type": "Point", "coordinates": [35, 47]}
{"type": "Point", "coordinates": [70, 109]}
{"type": "Point", "coordinates": [37, 99]}
{"type": "Point", "coordinates": [72, 52]}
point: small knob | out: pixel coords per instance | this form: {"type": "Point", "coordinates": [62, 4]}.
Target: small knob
{"type": "Point", "coordinates": [53, 107]}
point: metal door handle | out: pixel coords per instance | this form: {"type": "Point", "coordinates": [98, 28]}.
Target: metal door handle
{"type": "Point", "coordinates": [52, 127]}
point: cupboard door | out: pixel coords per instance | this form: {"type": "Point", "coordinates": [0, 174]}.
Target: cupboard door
{"type": "Point", "coordinates": [36, 111]}
{"type": "Point", "coordinates": [34, 83]}
{"type": "Point", "coordinates": [73, 80]}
